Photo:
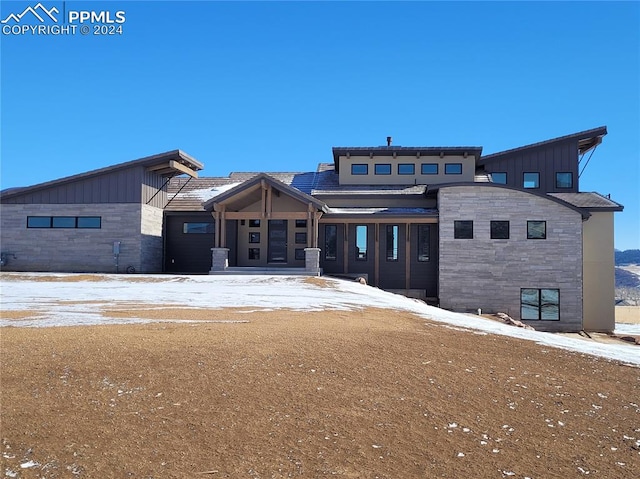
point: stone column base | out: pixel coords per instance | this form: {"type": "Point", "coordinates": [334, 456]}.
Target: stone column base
{"type": "Point", "coordinates": [219, 259]}
{"type": "Point", "coordinates": [312, 260]}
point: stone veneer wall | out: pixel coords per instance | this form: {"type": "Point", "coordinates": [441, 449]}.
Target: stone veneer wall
{"type": "Point", "coordinates": [488, 273]}
{"type": "Point", "coordinates": [137, 227]}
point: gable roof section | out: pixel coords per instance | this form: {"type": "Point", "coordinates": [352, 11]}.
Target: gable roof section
{"type": "Point", "coordinates": [587, 140]}
{"type": "Point", "coordinates": [339, 151]}
{"type": "Point", "coordinates": [257, 180]}
{"type": "Point", "coordinates": [168, 164]}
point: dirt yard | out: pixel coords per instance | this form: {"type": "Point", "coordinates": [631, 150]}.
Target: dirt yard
{"type": "Point", "coordinates": [373, 393]}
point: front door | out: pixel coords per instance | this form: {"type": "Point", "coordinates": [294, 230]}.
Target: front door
{"type": "Point", "coordinates": [277, 248]}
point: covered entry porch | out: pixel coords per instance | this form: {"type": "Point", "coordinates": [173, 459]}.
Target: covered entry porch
{"type": "Point", "coordinates": [277, 229]}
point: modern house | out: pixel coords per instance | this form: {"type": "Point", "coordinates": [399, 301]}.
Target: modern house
{"type": "Point", "coordinates": [507, 232]}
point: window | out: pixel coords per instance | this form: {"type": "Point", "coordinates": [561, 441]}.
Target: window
{"type": "Point", "coordinates": [423, 243]}
{"type": "Point", "coordinates": [429, 168]}
{"type": "Point", "coordinates": [392, 242]}
{"type": "Point", "coordinates": [301, 223]}
{"type": "Point", "coordinates": [38, 221]}
{"type": "Point", "coordinates": [564, 180]}
{"type": "Point", "coordinates": [300, 254]}
{"type": "Point", "coordinates": [361, 243]}
{"type": "Point", "coordinates": [254, 253]}
{"type": "Point", "coordinates": [406, 169]}
{"type": "Point", "coordinates": [536, 230]}
{"type": "Point", "coordinates": [453, 169]}
{"type": "Point", "coordinates": [360, 169]}
{"type": "Point", "coordinates": [382, 169]}
{"type": "Point", "coordinates": [330, 242]}
{"type": "Point", "coordinates": [254, 223]}
{"type": "Point", "coordinates": [301, 238]}
{"type": "Point", "coordinates": [463, 229]}
{"type": "Point", "coordinates": [197, 228]}
{"type": "Point", "coordinates": [531, 180]}
{"type": "Point", "coordinates": [499, 177]}
{"type": "Point", "coordinates": [499, 230]}
{"type": "Point", "coordinates": [63, 222]}
{"type": "Point", "coordinates": [96, 222]}
{"type": "Point", "coordinates": [254, 237]}
{"type": "Point", "coordinates": [540, 304]}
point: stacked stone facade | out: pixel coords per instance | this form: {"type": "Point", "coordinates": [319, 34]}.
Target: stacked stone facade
{"type": "Point", "coordinates": [137, 227]}
{"type": "Point", "coordinates": [488, 274]}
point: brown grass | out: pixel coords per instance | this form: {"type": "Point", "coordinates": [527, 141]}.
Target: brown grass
{"type": "Point", "coordinates": [369, 393]}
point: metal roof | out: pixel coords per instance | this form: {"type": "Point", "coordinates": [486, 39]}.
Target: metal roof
{"type": "Point", "coordinates": [591, 201]}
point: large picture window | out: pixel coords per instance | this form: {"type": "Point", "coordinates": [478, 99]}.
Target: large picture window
{"type": "Point", "coordinates": [463, 229]}
{"type": "Point", "coordinates": [94, 222]}
{"type": "Point", "coordinates": [392, 242]}
{"type": "Point", "coordinates": [361, 242]}
{"type": "Point", "coordinates": [540, 304]}
{"type": "Point", "coordinates": [330, 242]}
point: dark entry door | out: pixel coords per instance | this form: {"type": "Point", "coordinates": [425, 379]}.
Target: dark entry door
{"type": "Point", "coordinates": [277, 248]}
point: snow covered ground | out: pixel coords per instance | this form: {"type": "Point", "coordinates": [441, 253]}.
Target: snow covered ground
{"type": "Point", "coordinates": [60, 301]}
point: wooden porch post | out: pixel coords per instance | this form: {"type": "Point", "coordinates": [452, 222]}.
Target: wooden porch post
{"type": "Point", "coordinates": [223, 227]}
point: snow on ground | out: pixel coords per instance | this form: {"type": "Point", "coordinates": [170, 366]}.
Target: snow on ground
{"type": "Point", "coordinates": [73, 303]}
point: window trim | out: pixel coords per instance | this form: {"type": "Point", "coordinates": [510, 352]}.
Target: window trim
{"type": "Point", "coordinates": [254, 223]}
{"type": "Point", "coordinates": [301, 223]}
{"type": "Point", "coordinates": [254, 237]}
{"type": "Point", "coordinates": [256, 256]}
{"type": "Point", "coordinates": [355, 173]}
{"type": "Point", "coordinates": [544, 233]}
{"type": "Point", "coordinates": [457, 234]}
{"type": "Point", "coordinates": [493, 233]}
{"type": "Point", "coordinates": [412, 165]}
{"type": "Point", "coordinates": [385, 173]}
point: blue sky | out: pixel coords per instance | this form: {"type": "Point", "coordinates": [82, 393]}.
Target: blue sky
{"type": "Point", "coordinates": [272, 86]}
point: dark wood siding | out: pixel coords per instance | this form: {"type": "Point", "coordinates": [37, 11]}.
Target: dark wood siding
{"type": "Point", "coordinates": [393, 273]}
{"type": "Point", "coordinates": [424, 274]}
{"type": "Point", "coordinates": [546, 160]}
{"type": "Point", "coordinates": [187, 253]}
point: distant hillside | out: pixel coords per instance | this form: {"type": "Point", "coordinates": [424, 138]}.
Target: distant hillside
{"type": "Point", "coordinates": [629, 256]}
{"type": "Point", "coordinates": [626, 279]}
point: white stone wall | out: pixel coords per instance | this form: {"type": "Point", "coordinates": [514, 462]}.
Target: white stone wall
{"type": "Point", "coordinates": [488, 273]}
{"type": "Point", "coordinates": [137, 227]}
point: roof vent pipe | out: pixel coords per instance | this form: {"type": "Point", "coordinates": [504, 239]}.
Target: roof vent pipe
{"type": "Point", "coordinates": [389, 141]}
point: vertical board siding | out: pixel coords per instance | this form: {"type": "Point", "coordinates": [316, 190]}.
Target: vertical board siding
{"type": "Point", "coordinates": [424, 274]}
{"type": "Point", "coordinates": [332, 266]}
{"type": "Point", "coordinates": [187, 253]}
{"type": "Point", "coordinates": [392, 273]}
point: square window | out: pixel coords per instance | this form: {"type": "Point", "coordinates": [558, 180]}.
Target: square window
{"type": "Point", "coordinates": [540, 304]}
{"type": "Point", "coordinates": [453, 169]}
{"type": "Point", "coordinates": [531, 180]}
{"type": "Point", "coordinates": [536, 230]}
{"type": "Point", "coordinates": [499, 230]}
{"type": "Point", "coordinates": [254, 237]}
{"type": "Point", "coordinates": [564, 180]}
{"type": "Point", "coordinates": [254, 253]}
{"type": "Point", "coordinates": [301, 223]}
{"type": "Point", "coordinates": [300, 254]}
{"type": "Point", "coordinates": [383, 169]}
{"type": "Point", "coordinates": [38, 221]}
{"type": "Point", "coordinates": [463, 229]}
{"type": "Point", "coordinates": [429, 168]}
{"type": "Point", "coordinates": [499, 178]}
{"type": "Point", "coordinates": [406, 169]}
{"type": "Point", "coordinates": [254, 223]}
{"type": "Point", "coordinates": [64, 222]}
{"type": "Point", "coordinates": [90, 222]}
{"type": "Point", "coordinates": [359, 169]}
{"type": "Point", "coordinates": [301, 238]}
